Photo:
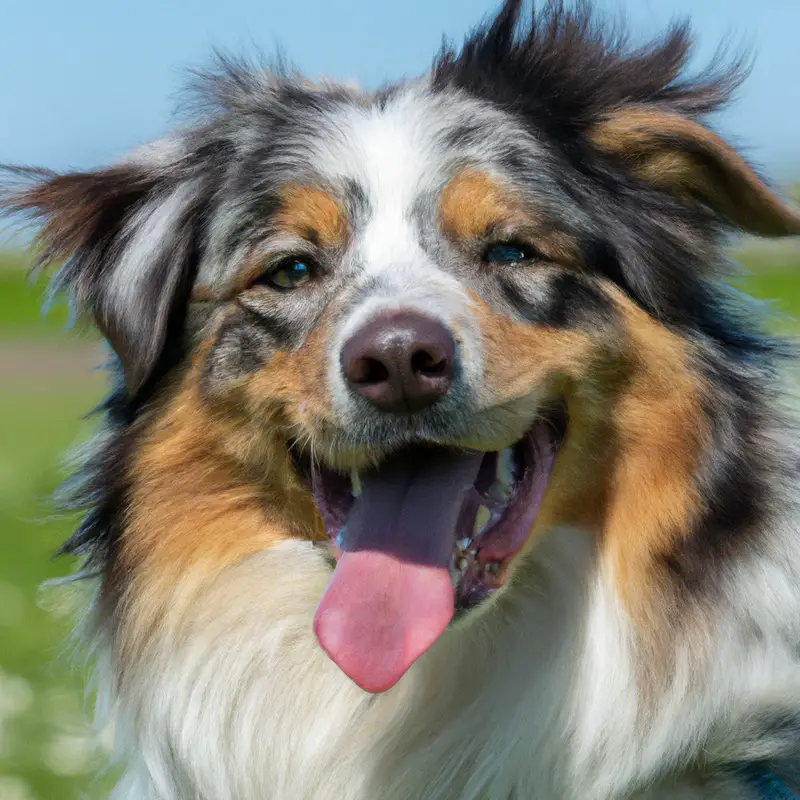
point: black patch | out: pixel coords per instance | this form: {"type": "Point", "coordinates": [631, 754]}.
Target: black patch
{"type": "Point", "coordinates": [465, 136]}
{"type": "Point", "coordinates": [740, 481]}
{"type": "Point", "coordinates": [599, 256]}
{"type": "Point", "coordinates": [563, 300]}
{"type": "Point", "coordinates": [244, 343]}
{"type": "Point", "coordinates": [562, 70]}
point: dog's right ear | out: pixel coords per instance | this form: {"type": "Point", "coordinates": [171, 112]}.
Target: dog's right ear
{"type": "Point", "coordinates": [126, 238]}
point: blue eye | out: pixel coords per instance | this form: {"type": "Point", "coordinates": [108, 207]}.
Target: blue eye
{"type": "Point", "coordinates": [505, 254]}
{"type": "Point", "coordinates": [290, 274]}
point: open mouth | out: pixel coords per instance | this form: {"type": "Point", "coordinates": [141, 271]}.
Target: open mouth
{"type": "Point", "coordinates": [428, 533]}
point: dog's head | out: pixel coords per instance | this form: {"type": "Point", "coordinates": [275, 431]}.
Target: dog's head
{"type": "Point", "coordinates": [459, 304]}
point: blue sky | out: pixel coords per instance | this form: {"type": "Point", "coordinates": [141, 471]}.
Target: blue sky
{"type": "Point", "coordinates": [81, 81]}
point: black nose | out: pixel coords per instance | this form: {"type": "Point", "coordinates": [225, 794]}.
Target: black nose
{"type": "Point", "coordinates": [400, 361]}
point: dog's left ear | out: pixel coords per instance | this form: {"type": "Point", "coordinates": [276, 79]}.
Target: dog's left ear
{"type": "Point", "coordinates": [126, 237]}
{"type": "Point", "coordinates": [681, 156]}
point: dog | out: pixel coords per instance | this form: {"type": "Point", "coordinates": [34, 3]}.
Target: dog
{"type": "Point", "coordinates": [440, 461]}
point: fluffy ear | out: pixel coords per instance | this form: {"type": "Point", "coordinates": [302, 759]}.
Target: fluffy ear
{"type": "Point", "coordinates": [127, 237]}
{"type": "Point", "coordinates": [681, 156]}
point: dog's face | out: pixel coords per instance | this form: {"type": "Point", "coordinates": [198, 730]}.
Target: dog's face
{"type": "Point", "coordinates": [458, 313]}
{"type": "Point", "coordinates": [391, 254]}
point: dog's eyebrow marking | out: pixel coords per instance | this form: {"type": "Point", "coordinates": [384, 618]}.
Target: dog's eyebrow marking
{"type": "Point", "coordinates": [304, 212]}
{"type": "Point", "coordinates": [473, 204]}
{"type": "Point", "coordinates": [312, 213]}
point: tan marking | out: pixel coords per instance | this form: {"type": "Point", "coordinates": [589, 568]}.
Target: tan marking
{"type": "Point", "coordinates": [549, 353]}
{"type": "Point", "coordinates": [473, 204]}
{"type": "Point", "coordinates": [312, 213]}
{"type": "Point", "coordinates": [684, 157]}
{"type": "Point", "coordinates": [661, 430]}
{"type": "Point", "coordinates": [626, 469]}
{"type": "Point", "coordinates": [197, 497]}
{"type": "Point", "coordinates": [209, 487]}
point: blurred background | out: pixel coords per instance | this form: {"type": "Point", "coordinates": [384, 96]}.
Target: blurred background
{"type": "Point", "coordinates": [82, 82]}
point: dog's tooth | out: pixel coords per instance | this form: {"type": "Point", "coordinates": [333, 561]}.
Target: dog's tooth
{"type": "Point", "coordinates": [505, 468]}
{"type": "Point", "coordinates": [464, 543]}
{"type": "Point", "coordinates": [500, 491]}
{"type": "Point", "coordinates": [462, 563]}
{"type": "Point", "coordinates": [482, 519]}
{"type": "Point", "coordinates": [355, 480]}
{"type": "Point", "coordinates": [455, 575]}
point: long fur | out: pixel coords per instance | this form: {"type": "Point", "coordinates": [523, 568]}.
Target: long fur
{"type": "Point", "coordinates": [649, 664]}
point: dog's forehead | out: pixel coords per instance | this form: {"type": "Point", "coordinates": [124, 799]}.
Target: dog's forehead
{"type": "Point", "coordinates": [384, 158]}
{"type": "Point", "coordinates": [408, 143]}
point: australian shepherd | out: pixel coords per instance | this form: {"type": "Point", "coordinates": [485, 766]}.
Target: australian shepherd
{"type": "Point", "coordinates": [441, 461]}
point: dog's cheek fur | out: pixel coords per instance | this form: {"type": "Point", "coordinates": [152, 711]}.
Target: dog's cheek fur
{"type": "Point", "coordinates": [212, 480]}
{"type": "Point", "coordinates": [267, 362]}
{"type": "Point", "coordinates": [207, 489]}
{"type": "Point", "coordinates": [298, 381]}
{"type": "Point", "coordinates": [635, 436]}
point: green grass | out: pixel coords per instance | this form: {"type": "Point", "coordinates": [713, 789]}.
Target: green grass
{"type": "Point", "coordinates": [780, 286]}
{"type": "Point", "coordinates": [21, 301]}
{"type": "Point", "coordinates": [45, 746]}
{"type": "Point", "coordinates": [44, 749]}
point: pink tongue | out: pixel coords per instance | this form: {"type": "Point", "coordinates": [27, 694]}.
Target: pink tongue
{"type": "Point", "coordinates": [390, 596]}
{"type": "Point", "coordinates": [380, 614]}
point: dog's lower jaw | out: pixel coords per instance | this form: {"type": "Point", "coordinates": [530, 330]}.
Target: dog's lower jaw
{"type": "Point", "coordinates": [236, 701]}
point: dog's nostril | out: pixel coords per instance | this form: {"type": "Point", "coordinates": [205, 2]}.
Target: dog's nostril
{"type": "Point", "coordinates": [427, 363]}
{"type": "Point", "coordinates": [368, 370]}
{"type": "Point", "coordinates": [400, 361]}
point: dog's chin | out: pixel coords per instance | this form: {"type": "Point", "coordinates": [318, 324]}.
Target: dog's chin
{"type": "Point", "coordinates": [425, 534]}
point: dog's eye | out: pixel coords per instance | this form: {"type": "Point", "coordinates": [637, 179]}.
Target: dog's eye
{"type": "Point", "coordinates": [506, 253]}
{"type": "Point", "coordinates": [289, 274]}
